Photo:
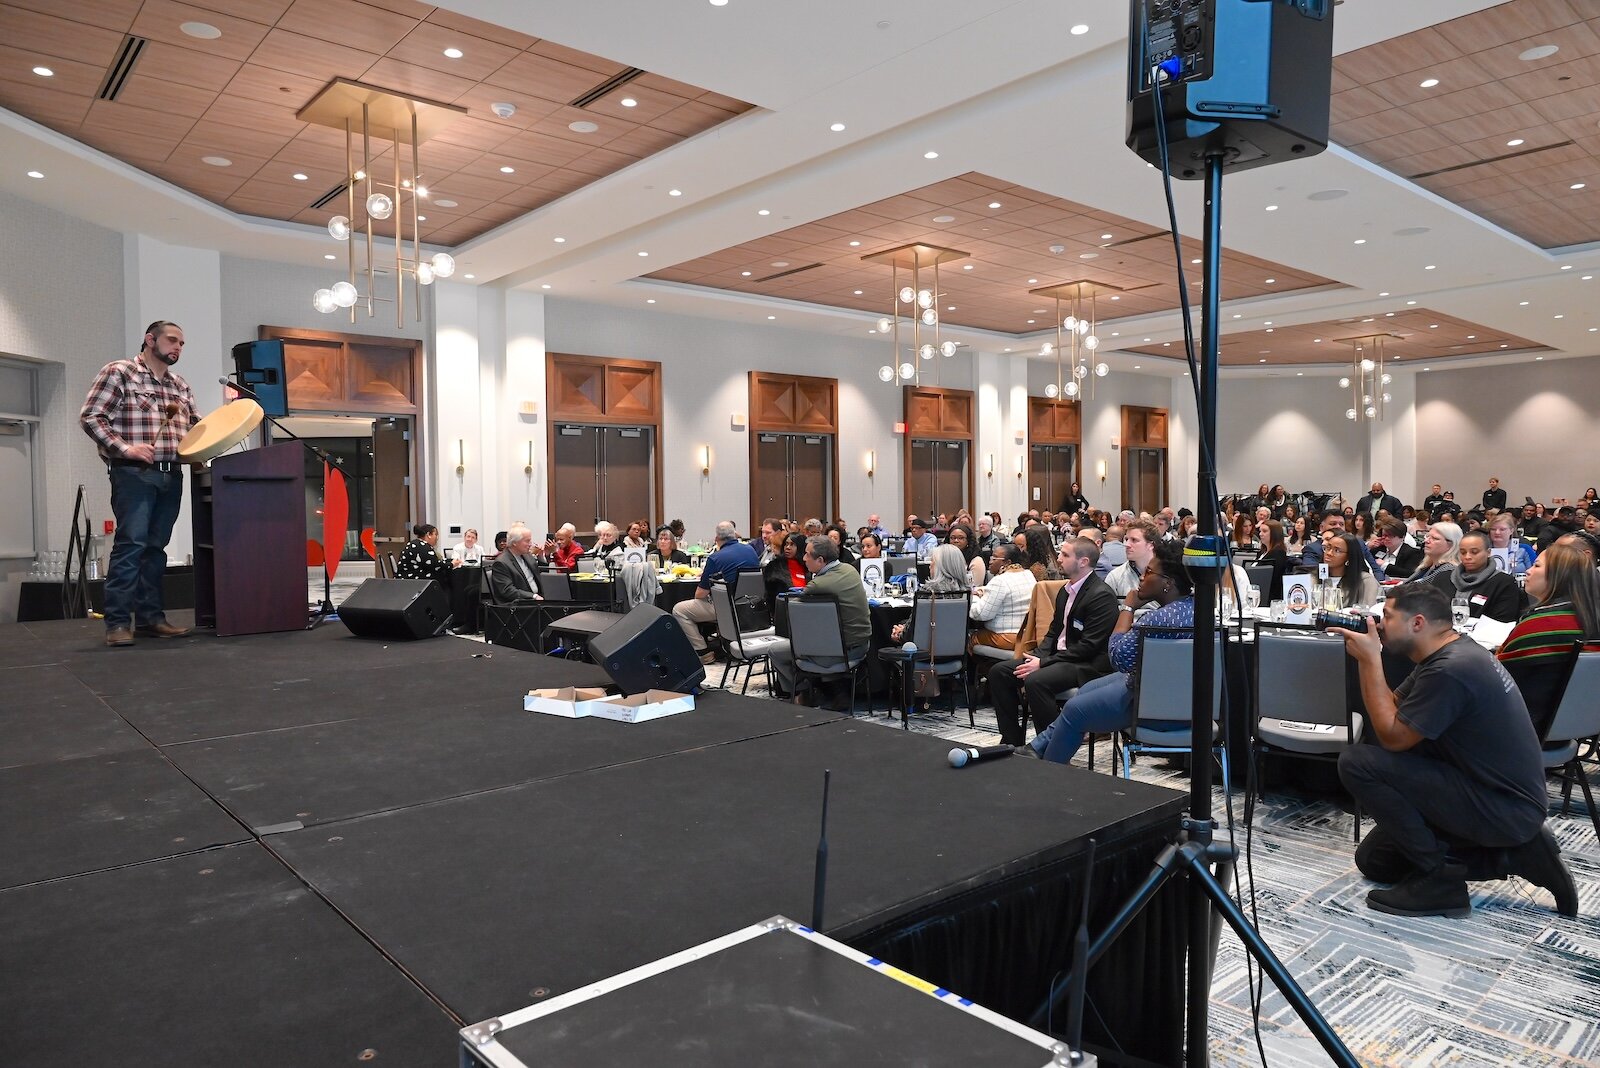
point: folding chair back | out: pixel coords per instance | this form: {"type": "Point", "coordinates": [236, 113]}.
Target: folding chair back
{"type": "Point", "coordinates": [555, 585]}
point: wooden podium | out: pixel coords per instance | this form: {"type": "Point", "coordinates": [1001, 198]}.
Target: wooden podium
{"type": "Point", "coordinates": [249, 513]}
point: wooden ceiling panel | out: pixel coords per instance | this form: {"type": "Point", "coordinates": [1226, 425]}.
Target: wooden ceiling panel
{"type": "Point", "coordinates": [339, 21]}
{"type": "Point", "coordinates": [1488, 96]}
{"type": "Point", "coordinates": [238, 96]}
{"type": "Point", "coordinates": [159, 21]}
{"type": "Point", "coordinates": [994, 294]}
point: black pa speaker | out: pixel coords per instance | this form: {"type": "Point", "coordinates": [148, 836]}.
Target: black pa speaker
{"type": "Point", "coordinates": [400, 609]}
{"type": "Point", "coordinates": [647, 650]}
{"type": "Point", "coordinates": [1252, 78]}
{"type": "Point", "coordinates": [259, 367]}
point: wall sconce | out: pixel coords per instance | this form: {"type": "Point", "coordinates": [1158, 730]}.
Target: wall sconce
{"type": "Point", "coordinates": [1020, 475]}
{"type": "Point", "coordinates": [872, 462]}
{"type": "Point", "coordinates": [989, 471]}
{"type": "Point", "coordinates": [705, 460]}
{"type": "Point", "coordinates": [1100, 469]}
{"type": "Point", "coordinates": [461, 456]}
{"type": "Point", "coordinates": [527, 468]}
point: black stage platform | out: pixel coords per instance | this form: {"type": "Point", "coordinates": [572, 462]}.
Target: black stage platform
{"type": "Point", "coordinates": [298, 848]}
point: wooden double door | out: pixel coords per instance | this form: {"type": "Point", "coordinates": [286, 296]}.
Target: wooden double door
{"type": "Point", "coordinates": [938, 476]}
{"type": "Point", "coordinates": [602, 472]}
{"type": "Point", "coordinates": [793, 476]}
{"type": "Point", "coordinates": [1054, 470]}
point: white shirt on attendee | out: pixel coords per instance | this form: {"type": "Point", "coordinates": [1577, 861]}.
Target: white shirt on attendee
{"type": "Point", "coordinates": [468, 554]}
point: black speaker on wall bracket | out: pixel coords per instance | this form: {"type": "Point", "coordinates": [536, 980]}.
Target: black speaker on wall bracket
{"type": "Point", "coordinates": [396, 609]}
{"type": "Point", "coordinates": [1252, 78]}
{"type": "Point", "coordinates": [647, 650]}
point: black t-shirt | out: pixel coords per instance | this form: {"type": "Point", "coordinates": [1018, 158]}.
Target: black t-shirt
{"type": "Point", "coordinates": [1472, 716]}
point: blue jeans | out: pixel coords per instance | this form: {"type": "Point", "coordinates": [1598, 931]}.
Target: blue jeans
{"type": "Point", "coordinates": [1099, 705]}
{"type": "Point", "coordinates": [145, 502]}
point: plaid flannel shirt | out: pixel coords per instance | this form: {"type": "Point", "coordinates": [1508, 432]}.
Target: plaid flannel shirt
{"type": "Point", "coordinates": [126, 406]}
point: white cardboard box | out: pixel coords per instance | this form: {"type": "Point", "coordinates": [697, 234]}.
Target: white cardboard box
{"type": "Point", "coordinates": [573, 702]}
{"type": "Point", "coordinates": [638, 707]}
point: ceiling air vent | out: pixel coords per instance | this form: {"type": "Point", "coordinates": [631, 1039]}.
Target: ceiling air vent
{"type": "Point", "coordinates": [1491, 159]}
{"type": "Point", "coordinates": [122, 66]}
{"type": "Point", "coordinates": [328, 198]}
{"type": "Point", "coordinates": [615, 82]}
{"type": "Point", "coordinates": [792, 270]}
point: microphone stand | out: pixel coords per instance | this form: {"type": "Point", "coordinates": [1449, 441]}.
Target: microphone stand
{"type": "Point", "coordinates": [324, 611]}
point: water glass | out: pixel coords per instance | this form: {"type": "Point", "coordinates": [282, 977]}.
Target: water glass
{"type": "Point", "coordinates": [1460, 611]}
{"type": "Point", "coordinates": [1276, 612]}
{"type": "Point", "coordinates": [1252, 599]}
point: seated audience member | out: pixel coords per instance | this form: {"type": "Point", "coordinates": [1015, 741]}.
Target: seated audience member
{"type": "Point", "coordinates": [787, 568]}
{"type": "Point", "coordinates": [1104, 703]}
{"type": "Point", "coordinates": [1113, 553]}
{"type": "Point", "coordinates": [811, 527]}
{"type": "Point", "coordinates": [1002, 604]}
{"type": "Point", "coordinates": [920, 541]}
{"type": "Point", "coordinates": [640, 584]}
{"type": "Point", "coordinates": [1455, 782]}
{"type": "Point", "coordinates": [1433, 500]}
{"type": "Point", "coordinates": [1530, 524]}
{"type": "Point", "coordinates": [666, 551]}
{"type": "Point", "coordinates": [605, 541]}
{"type": "Point", "coordinates": [638, 536]}
{"type": "Point", "coordinates": [469, 551]}
{"type": "Point", "coordinates": [1041, 549]}
{"type": "Point", "coordinates": [1139, 540]}
{"type": "Point", "coordinates": [1439, 554]}
{"type": "Point", "coordinates": [1187, 525]}
{"type": "Point", "coordinates": [1243, 536]}
{"type": "Point", "coordinates": [1348, 570]}
{"type": "Point", "coordinates": [1397, 555]}
{"type": "Point", "coordinates": [419, 559]}
{"type": "Point", "coordinates": [1361, 525]}
{"type": "Point", "coordinates": [500, 542]}
{"type": "Point", "coordinates": [1446, 506]}
{"type": "Point", "coordinates": [871, 546]}
{"type": "Point", "coordinates": [987, 538]}
{"type": "Point", "coordinates": [1590, 500]}
{"type": "Point", "coordinates": [965, 539]}
{"type": "Point", "coordinates": [1503, 535]}
{"type": "Point", "coordinates": [1278, 501]}
{"type": "Point", "coordinates": [1273, 555]}
{"type": "Point", "coordinates": [1489, 591]}
{"type": "Point", "coordinates": [678, 529]}
{"type": "Point", "coordinates": [563, 552]}
{"type": "Point", "coordinates": [1294, 538]}
{"type": "Point", "coordinates": [877, 527]}
{"type": "Point", "coordinates": [1564, 522]}
{"type": "Point", "coordinates": [829, 581]}
{"type": "Point", "coordinates": [730, 557]}
{"type": "Point", "coordinates": [1566, 608]}
{"type": "Point", "coordinates": [511, 577]}
{"type": "Point", "coordinates": [839, 535]}
{"type": "Point", "coordinates": [1338, 523]}
{"type": "Point", "coordinates": [1291, 512]}
{"type": "Point", "coordinates": [1072, 651]}
{"type": "Point", "coordinates": [1583, 541]}
{"type": "Point", "coordinates": [762, 542]}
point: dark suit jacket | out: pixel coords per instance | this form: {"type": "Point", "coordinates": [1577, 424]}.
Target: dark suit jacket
{"type": "Point", "coordinates": [1096, 611]}
{"type": "Point", "coordinates": [1494, 498]}
{"type": "Point", "coordinates": [1405, 560]}
{"type": "Point", "coordinates": [507, 584]}
{"type": "Point", "coordinates": [1388, 502]}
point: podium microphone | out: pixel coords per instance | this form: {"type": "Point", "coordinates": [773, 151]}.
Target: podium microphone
{"type": "Point", "coordinates": [960, 758]}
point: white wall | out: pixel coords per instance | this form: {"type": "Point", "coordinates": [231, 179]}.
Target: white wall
{"type": "Point", "coordinates": [257, 293]}
{"type": "Point", "coordinates": [1535, 425]}
{"type": "Point", "coordinates": [61, 303]}
{"type": "Point", "coordinates": [1293, 431]}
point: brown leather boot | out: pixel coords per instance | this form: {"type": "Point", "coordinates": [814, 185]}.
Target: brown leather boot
{"type": "Point", "coordinates": [118, 636]}
{"type": "Point", "coordinates": [162, 630]}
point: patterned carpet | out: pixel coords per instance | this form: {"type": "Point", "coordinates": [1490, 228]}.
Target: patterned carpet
{"type": "Point", "coordinates": [1513, 984]}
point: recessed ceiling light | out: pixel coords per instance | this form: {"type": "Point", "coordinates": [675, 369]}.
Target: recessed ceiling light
{"type": "Point", "coordinates": [763, 211]}
{"type": "Point", "coordinates": [968, 267]}
{"type": "Point", "coordinates": [1429, 83]}
{"type": "Point", "coordinates": [1116, 333]}
{"type": "Point", "coordinates": [508, 170]}
{"type": "Point", "coordinates": [1577, 185]}
{"type": "Point", "coordinates": [1538, 52]}
{"type": "Point", "coordinates": [444, 204]}
{"type": "Point", "coordinates": [719, 3]}
{"type": "Point", "coordinates": [744, 274]}
{"type": "Point", "coordinates": [1267, 323]}
{"type": "Point", "coordinates": [1433, 326]}
{"type": "Point", "coordinates": [858, 293]}
{"type": "Point", "coordinates": [1079, 30]}
{"type": "Point", "coordinates": [545, 286]}
{"type": "Point", "coordinates": [674, 192]}
{"type": "Point", "coordinates": [772, 317]}
{"type": "Point", "coordinates": [644, 253]}
{"type": "Point", "coordinates": [203, 30]}
{"type": "Point", "coordinates": [1033, 281]}
{"type": "Point", "coordinates": [993, 204]}
{"type": "Point", "coordinates": [855, 244]}
{"type": "Point", "coordinates": [1238, 315]}
{"type": "Point", "coordinates": [1567, 267]}
{"type": "Point", "coordinates": [1136, 366]}
{"type": "Point", "coordinates": [328, 256]}
{"type": "Point", "coordinates": [559, 240]}
{"type": "Point", "coordinates": [297, 176]}
{"type": "Point", "coordinates": [1427, 368]}
{"type": "Point", "coordinates": [1388, 315]}
{"type": "Point", "coordinates": [1586, 278]}
{"type": "Point", "coordinates": [1105, 237]}
{"type": "Point", "coordinates": [583, 126]}
{"type": "Point", "coordinates": [944, 218]}
{"type": "Point", "coordinates": [650, 300]}
{"type": "Point", "coordinates": [453, 53]}
{"type": "Point", "coordinates": [1472, 337]}
{"type": "Point", "coordinates": [469, 277]}
{"type": "Point", "coordinates": [951, 307]}
{"type": "Point", "coordinates": [780, 263]}
{"type": "Point", "coordinates": [1030, 322]}
{"type": "Point", "coordinates": [422, 218]}
{"type": "Point", "coordinates": [1194, 261]}
{"type": "Point", "coordinates": [1515, 142]}
{"type": "Point", "coordinates": [1271, 281]}
{"type": "Point", "coordinates": [930, 155]}
{"type": "Point", "coordinates": [44, 72]}
{"type": "Point", "coordinates": [1088, 255]}
{"type": "Point", "coordinates": [1361, 241]}
{"type": "Point", "coordinates": [35, 174]}
{"type": "Point", "coordinates": [628, 102]}
{"type": "Point", "coordinates": [1561, 317]}
{"type": "Point", "coordinates": [1383, 294]}
{"type": "Point", "coordinates": [1116, 298]}
{"type": "Point", "coordinates": [1522, 304]}
{"type": "Point", "coordinates": [837, 127]}
{"type": "Point", "coordinates": [1410, 302]}
{"type": "Point", "coordinates": [217, 161]}
{"type": "Point", "coordinates": [1263, 360]}
{"type": "Point", "coordinates": [1431, 267]}
{"type": "Point", "coordinates": [1272, 207]}
{"type": "Point", "coordinates": [1316, 340]}
{"type": "Point", "coordinates": [1147, 339]}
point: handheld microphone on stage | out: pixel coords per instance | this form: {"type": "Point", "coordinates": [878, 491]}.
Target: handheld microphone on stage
{"type": "Point", "coordinates": [960, 758]}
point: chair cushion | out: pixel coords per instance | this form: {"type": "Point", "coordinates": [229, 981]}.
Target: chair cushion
{"type": "Point", "coordinates": [990, 652]}
{"type": "Point", "coordinates": [1555, 758]}
{"type": "Point", "coordinates": [1310, 738]}
{"type": "Point", "coordinates": [765, 632]}
{"type": "Point", "coordinates": [1148, 734]}
{"type": "Point", "coordinates": [762, 645]}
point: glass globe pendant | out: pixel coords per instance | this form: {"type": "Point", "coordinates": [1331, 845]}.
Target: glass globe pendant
{"type": "Point", "coordinates": [379, 206]}
{"type": "Point", "coordinates": [425, 274]}
{"type": "Point", "coordinates": [930, 317]}
{"type": "Point", "coordinates": [924, 298]}
{"type": "Point", "coordinates": [1050, 391]}
{"type": "Point", "coordinates": [323, 301]}
{"type": "Point", "coordinates": [885, 325]}
{"type": "Point", "coordinates": [907, 295]}
{"type": "Point", "coordinates": [948, 348]}
{"type": "Point", "coordinates": [444, 264]}
{"type": "Point", "coordinates": [907, 371]}
{"type": "Point", "coordinates": [886, 373]}
{"type": "Point", "coordinates": [1073, 389]}
{"type": "Point", "coordinates": [344, 294]}
{"type": "Point", "coordinates": [1101, 370]}
{"type": "Point", "coordinates": [339, 228]}
{"type": "Point", "coordinates": [926, 352]}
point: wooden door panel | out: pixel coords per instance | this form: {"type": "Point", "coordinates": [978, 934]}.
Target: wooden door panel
{"type": "Point", "coordinates": [809, 474]}
{"type": "Point", "coordinates": [771, 478]}
{"type": "Point", "coordinates": [625, 475]}
{"type": "Point", "coordinates": [574, 494]}
{"type": "Point", "coordinates": [950, 477]}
